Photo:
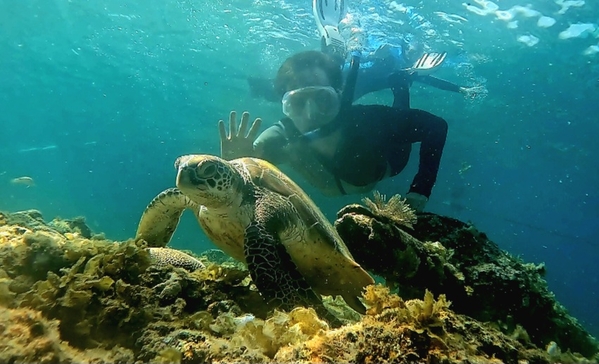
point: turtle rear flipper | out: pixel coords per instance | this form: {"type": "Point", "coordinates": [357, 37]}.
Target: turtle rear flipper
{"type": "Point", "coordinates": [275, 274]}
{"type": "Point", "coordinates": [355, 303]}
{"type": "Point", "coordinates": [161, 217]}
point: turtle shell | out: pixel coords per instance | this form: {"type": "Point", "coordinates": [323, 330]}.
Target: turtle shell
{"type": "Point", "coordinates": [320, 255]}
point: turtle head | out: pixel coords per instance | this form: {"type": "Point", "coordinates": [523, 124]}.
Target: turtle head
{"type": "Point", "coordinates": [208, 180]}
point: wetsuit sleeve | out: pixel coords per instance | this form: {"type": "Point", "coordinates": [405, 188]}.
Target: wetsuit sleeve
{"type": "Point", "coordinates": [400, 83]}
{"type": "Point", "coordinates": [438, 83]}
{"type": "Point", "coordinates": [271, 144]}
{"type": "Point", "coordinates": [413, 126]}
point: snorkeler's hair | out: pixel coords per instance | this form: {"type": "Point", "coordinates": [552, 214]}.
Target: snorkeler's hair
{"type": "Point", "coordinates": [287, 76]}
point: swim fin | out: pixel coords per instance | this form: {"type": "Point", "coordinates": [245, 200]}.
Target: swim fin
{"type": "Point", "coordinates": [428, 63]}
{"type": "Point", "coordinates": [328, 14]}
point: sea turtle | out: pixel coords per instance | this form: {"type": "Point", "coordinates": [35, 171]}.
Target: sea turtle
{"type": "Point", "coordinates": [259, 216]}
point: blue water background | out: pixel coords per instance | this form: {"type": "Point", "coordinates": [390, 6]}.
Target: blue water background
{"type": "Point", "coordinates": [97, 99]}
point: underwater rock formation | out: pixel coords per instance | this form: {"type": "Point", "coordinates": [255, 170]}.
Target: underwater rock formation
{"type": "Point", "coordinates": [68, 298]}
{"type": "Point", "coordinates": [447, 256]}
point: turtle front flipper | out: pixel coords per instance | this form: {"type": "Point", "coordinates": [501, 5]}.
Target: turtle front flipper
{"type": "Point", "coordinates": [161, 217]}
{"type": "Point", "coordinates": [275, 274]}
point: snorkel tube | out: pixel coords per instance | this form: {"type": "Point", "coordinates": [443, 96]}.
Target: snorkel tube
{"type": "Point", "coordinates": [347, 95]}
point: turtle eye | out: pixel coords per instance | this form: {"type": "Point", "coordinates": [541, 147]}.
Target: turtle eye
{"type": "Point", "coordinates": [208, 170]}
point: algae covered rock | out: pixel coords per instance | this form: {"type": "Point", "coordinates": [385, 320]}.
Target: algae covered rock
{"type": "Point", "coordinates": [447, 256]}
{"type": "Point", "coordinates": [103, 293]}
{"type": "Point", "coordinates": [26, 336]}
{"type": "Point", "coordinates": [414, 331]}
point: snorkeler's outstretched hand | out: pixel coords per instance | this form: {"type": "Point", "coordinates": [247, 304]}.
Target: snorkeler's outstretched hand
{"type": "Point", "coordinates": [237, 143]}
{"type": "Point", "coordinates": [416, 201]}
{"type": "Point", "coordinates": [473, 92]}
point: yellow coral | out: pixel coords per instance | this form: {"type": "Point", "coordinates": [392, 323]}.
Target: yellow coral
{"type": "Point", "coordinates": [169, 355]}
{"type": "Point", "coordinates": [307, 321]}
{"type": "Point", "coordinates": [396, 209]}
{"type": "Point", "coordinates": [428, 311]}
{"type": "Point", "coordinates": [387, 306]}
{"type": "Point", "coordinates": [282, 329]}
{"type": "Point", "coordinates": [6, 295]}
{"type": "Point", "coordinates": [71, 236]}
{"type": "Point", "coordinates": [379, 298]}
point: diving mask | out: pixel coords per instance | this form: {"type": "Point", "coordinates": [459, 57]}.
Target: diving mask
{"type": "Point", "coordinates": [312, 103]}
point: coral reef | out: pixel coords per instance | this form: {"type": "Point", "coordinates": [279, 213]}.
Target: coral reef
{"type": "Point", "coordinates": [67, 298]}
{"type": "Point", "coordinates": [447, 256]}
{"type": "Point", "coordinates": [27, 337]}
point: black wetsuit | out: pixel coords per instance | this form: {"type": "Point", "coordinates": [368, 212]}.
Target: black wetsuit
{"type": "Point", "coordinates": [400, 83]}
{"type": "Point", "coordinates": [375, 143]}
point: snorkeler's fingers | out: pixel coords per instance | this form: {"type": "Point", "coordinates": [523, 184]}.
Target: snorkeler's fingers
{"type": "Point", "coordinates": [254, 129]}
{"type": "Point", "coordinates": [222, 131]}
{"type": "Point", "coordinates": [243, 126]}
{"type": "Point", "coordinates": [232, 124]}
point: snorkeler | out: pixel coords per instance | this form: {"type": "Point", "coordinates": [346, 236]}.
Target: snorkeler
{"type": "Point", "coordinates": [338, 147]}
{"type": "Point", "coordinates": [388, 67]}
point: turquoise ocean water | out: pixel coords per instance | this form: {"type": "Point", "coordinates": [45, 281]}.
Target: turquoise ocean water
{"type": "Point", "coordinates": [97, 99]}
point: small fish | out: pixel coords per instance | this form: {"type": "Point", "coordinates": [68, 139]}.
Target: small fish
{"type": "Point", "coordinates": [465, 167]}
{"type": "Point", "coordinates": [34, 149]}
{"type": "Point", "coordinates": [25, 181]}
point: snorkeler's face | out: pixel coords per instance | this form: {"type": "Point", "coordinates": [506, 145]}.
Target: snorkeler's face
{"type": "Point", "coordinates": [311, 107]}
{"type": "Point", "coordinates": [315, 76]}
{"type": "Point", "coordinates": [311, 102]}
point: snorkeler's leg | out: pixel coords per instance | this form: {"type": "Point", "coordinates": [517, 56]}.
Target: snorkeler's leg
{"type": "Point", "coordinates": [328, 14]}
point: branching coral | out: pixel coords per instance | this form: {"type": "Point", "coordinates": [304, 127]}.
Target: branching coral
{"type": "Point", "coordinates": [396, 209]}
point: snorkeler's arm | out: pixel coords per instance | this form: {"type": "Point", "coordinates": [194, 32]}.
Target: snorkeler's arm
{"type": "Point", "coordinates": [271, 145]}
{"type": "Point", "coordinates": [263, 88]}
{"type": "Point", "coordinates": [431, 131]}
{"type": "Point", "coordinates": [406, 127]}
{"type": "Point", "coordinates": [438, 83]}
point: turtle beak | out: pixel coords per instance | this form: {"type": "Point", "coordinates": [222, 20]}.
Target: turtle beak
{"type": "Point", "coordinates": [189, 174]}
{"type": "Point", "coordinates": [182, 161]}
{"type": "Point", "coordinates": [187, 177]}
